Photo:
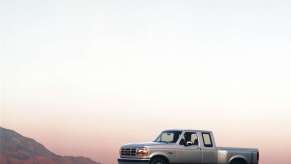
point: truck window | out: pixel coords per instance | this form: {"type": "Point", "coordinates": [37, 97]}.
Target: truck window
{"type": "Point", "coordinates": [168, 136]}
{"type": "Point", "coordinates": [207, 140]}
{"type": "Point", "coordinates": [190, 137]}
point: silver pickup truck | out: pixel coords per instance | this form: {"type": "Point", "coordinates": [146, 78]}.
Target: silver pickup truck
{"type": "Point", "coordinates": [178, 146]}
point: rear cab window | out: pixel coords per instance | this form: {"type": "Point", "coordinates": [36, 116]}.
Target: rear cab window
{"type": "Point", "coordinates": [207, 140]}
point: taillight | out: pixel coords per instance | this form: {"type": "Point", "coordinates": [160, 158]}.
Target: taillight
{"type": "Point", "coordinates": [258, 156]}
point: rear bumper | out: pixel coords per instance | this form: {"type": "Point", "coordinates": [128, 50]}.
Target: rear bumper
{"type": "Point", "coordinates": [132, 161]}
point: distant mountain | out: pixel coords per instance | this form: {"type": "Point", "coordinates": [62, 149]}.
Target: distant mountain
{"type": "Point", "coordinates": [17, 149]}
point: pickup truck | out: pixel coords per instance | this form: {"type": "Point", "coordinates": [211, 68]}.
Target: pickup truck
{"type": "Point", "coordinates": [177, 146]}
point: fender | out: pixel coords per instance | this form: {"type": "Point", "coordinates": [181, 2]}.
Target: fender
{"type": "Point", "coordinates": [159, 153]}
{"type": "Point", "coordinates": [238, 157]}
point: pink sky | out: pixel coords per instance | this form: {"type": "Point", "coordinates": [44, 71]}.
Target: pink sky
{"type": "Point", "coordinates": [83, 78]}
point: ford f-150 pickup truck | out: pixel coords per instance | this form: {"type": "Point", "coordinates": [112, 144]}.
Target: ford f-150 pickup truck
{"type": "Point", "coordinates": [178, 146]}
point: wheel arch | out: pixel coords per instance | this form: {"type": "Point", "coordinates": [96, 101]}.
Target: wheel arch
{"type": "Point", "coordinates": [238, 157]}
{"type": "Point", "coordinates": [160, 156]}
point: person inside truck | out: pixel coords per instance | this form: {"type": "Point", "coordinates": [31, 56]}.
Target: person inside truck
{"type": "Point", "coordinates": [189, 138]}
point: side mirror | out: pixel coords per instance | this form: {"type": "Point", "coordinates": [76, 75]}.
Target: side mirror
{"type": "Point", "coordinates": [188, 143]}
{"type": "Point", "coordinates": [185, 143]}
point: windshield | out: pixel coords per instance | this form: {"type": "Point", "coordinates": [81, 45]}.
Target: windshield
{"type": "Point", "coordinates": [169, 136]}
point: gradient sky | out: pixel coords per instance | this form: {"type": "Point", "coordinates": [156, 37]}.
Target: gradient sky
{"type": "Point", "coordinates": [84, 77]}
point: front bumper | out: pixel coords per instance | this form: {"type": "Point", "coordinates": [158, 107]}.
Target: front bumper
{"type": "Point", "coordinates": [132, 161]}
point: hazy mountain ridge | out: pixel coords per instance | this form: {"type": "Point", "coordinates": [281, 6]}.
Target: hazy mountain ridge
{"type": "Point", "coordinates": [17, 149]}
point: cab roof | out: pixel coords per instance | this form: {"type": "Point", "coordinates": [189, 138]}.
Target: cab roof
{"type": "Point", "coordinates": [196, 130]}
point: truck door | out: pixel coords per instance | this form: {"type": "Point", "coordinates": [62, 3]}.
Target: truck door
{"type": "Point", "coordinates": [189, 151]}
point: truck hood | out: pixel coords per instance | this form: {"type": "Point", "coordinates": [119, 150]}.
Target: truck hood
{"type": "Point", "coordinates": [136, 145]}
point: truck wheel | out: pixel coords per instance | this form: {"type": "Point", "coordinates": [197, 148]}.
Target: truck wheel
{"type": "Point", "coordinates": [159, 160]}
{"type": "Point", "coordinates": [238, 161]}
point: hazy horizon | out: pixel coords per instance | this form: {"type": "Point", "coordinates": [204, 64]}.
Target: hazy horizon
{"type": "Point", "coordinates": [85, 77]}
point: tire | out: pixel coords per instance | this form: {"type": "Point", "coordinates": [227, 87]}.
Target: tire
{"type": "Point", "coordinates": [238, 161]}
{"type": "Point", "coordinates": [158, 160]}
